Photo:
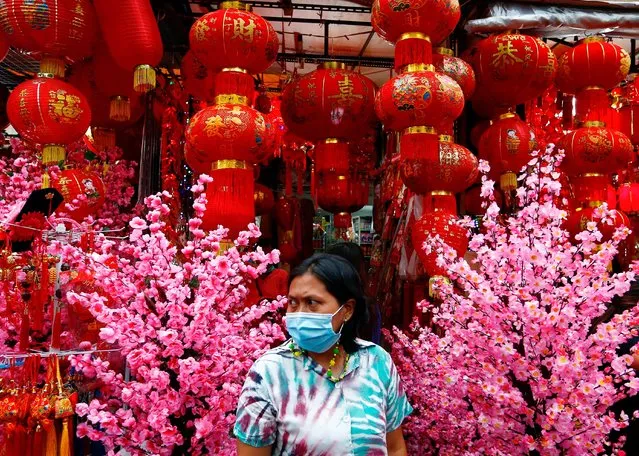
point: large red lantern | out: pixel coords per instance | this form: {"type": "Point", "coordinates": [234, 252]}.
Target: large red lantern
{"type": "Point", "coordinates": [198, 80]}
{"type": "Point", "coordinates": [234, 37]}
{"type": "Point", "coordinates": [435, 19]}
{"type": "Point", "coordinates": [452, 169]}
{"type": "Point", "coordinates": [330, 102]}
{"type": "Point", "coordinates": [579, 219]}
{"type": "Point", "coordinates": [83, 189]}
{"type": "Point", "coordinates": [460, 71]}
{"type": "Point", "coordinates": [226, 132]}
{"type": "Point", "coordinates": [595, 149]}
{"type": "Point", "coordinates": [445, 225]}
{"type": "Point", "coordinates": [132, 35]}
{"type": "Point", "coordinates": [342, 195]}
{"type": "Point", "coordinates": [50, 112]}
{"type": "Point", "coordinates": [506, 145]}
{"type": "Point", "coordinates": [59, 30]}
{"type": "Point", "coordinates": [419, 98]}
{"type": "Point", "coordinates": [594, 62]}
{"type": "Point", "coordinates": [512, 68]}
{"type": "Point", "coordinates": [115, 83]}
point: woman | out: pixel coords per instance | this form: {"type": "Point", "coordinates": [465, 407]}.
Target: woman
{"type": "Point", "coordinates": [324, 392]}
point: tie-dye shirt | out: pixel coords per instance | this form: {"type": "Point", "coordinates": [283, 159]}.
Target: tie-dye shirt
{"type": "Point", "coordinates": [289, 403]}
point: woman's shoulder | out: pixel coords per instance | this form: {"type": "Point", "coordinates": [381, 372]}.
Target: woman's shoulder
{"type": "Point", "coordinates": [374, 353]}
{"type": "Point", "coordinates": [275, 356]}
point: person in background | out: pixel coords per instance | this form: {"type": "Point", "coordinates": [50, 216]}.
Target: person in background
{"type": "Point", "coordinates": [353, 253]}
{"type": "Point", "coordinates": [324, 391]}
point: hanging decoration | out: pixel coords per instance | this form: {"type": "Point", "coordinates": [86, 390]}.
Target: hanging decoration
{"type": "Point", "coordinates": [132, 36]}
{"type": "Point", "coordinates": [57, 32]}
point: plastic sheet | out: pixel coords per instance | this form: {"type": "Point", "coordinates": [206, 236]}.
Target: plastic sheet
{"type": "Point", "coordinates": [558, 21]}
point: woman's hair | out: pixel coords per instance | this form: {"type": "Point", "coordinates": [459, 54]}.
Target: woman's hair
{"type": "Point", "coordinates": [343, 282]}
{"type": "Point", "coordinates": [351, 252]}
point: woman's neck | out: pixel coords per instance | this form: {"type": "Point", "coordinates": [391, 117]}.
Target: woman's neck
{"type": "Point", "coordinates": [323, 359]}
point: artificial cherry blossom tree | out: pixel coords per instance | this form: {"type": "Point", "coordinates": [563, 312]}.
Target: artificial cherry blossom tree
{"type": "Point", "coordinates": [523, 366]}
{"type": "Point", "coordinates": [178, 316]}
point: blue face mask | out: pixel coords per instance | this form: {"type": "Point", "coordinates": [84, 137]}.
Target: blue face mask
{"type": "Point", "coordinates": [311, 331]}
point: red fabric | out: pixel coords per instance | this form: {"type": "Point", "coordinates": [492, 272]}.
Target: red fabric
{"type": "Point", "coordinates": [72, 183]}
{"type": "Point", "coordinates": [273, 285]}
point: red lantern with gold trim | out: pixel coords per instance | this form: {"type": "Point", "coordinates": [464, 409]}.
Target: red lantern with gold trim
{"type": "Point", "coordinates": [225, 132]}
{"type": "Point", "coordinates": [198, 80]}
{"type": "Point", "coordinates": [460, 71]}
{"type": "Point", "coordinates": [435, 19]}
{"type": "Point", "coordinates": [115, 83]}
{"type": "Point", "coordinates": [330, 102]}
{"type": "Point", "coordinates": [58, 31]}
{"type": "Point", "coordinates": [594, 62]}
{"type": "Point", "coordinates": [234, 37]}
{"type": "Point", "coordinates": [50, 112]}
{"type": "Point", "coordinates": [445, 225]}
{"type": "Point", "coordinates": [132, 35]}
{"type": "Point", "coordinates": [341, 195]}
{"type": "Point", "coordinates": [452, 169]}
{"type": "Point", "coordinates": [595, 149]}
{"type": "Point", "coordinates": [506, 145]}
{"type": "Point", "coordinates": [579, 219]}
{"type": "Point", "coordinates": [81, 188]}
{"type": "Point", "coordinates": [512, 68]}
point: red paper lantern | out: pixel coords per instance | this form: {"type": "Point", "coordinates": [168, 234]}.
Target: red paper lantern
{"type": "Point", "coordinates": [82, 186]}
{"type": "Point", "coordinates": [461, 72]}
{"type": "Point", "coordinates": [434, 18]}
{"type": "Point", "coordinates": [64, 29]}
{"type": "Point", "coordinates": [595, 149]}
{"type": "Point", "coordinates": [50, 112]}
{"type": "Point", "coordinates": [226, 132]}
{"type": "Point", "coordinates": [234, 37]}
{"type": "Point", "coordinates": [330, 102]}
{"type": "Point", "coordinates": [506, 145]}
{"type": "Point", "coordinates": [477, 132]}
{"type": "Point", "coordinates": [264, 199]}
{"type": "Point", "coordinates": [445, 225]}
{"type": "Point", "coordinates": [198, 80]}
{"type": "Point", "coordinates": [513, 68]}
{"type": "Point", "coordinates": [579, 219]}
{"type": "Point", "coordinates": [341, 194]}
{"type": "Point", "coordinates": [284, 213]}
{"type": "Point", "coordinates": [230, 197]}
{"type": "Point", "coordinates": [419, 98]}
{"type": "Point", "coordinates": [131, 33]}
{"type": "Point", "coordinates": [592, 63]}
{"type": "Point", "coordinates": [629, 197]}
{"type": "Point", "coordinates": [592, 189]}
{"type": "Point", "coordinates": [452, 169]}
{"type": "Point", "coordinates": [472, 200]}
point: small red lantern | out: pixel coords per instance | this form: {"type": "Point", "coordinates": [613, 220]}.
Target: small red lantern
{"type": "Point", "coordinates": [506, 145]}
{"type": "Point", "coordinates": [472, 200]}
{"type": "Point", "coordinates": [132, 35]}
{"type": "Point", "coordinates": [50, 112]}
{"type": "Point", "coordinates": [579, 219]}
{"type": "Point", "coordinates": [226, 132]}
{"type": "Point", "coordinates": [234, 37]}
{"type": "Point", "coordinates": [629, 197]}
{"type": "Point", "coordinates": [198, 80]}
{"type": "Point", "coordinates": [512, 68]}
{"type": "Point", "coordinates": [330, 102]}
{"type": "Point", "coordinates": [452, 169]}
{"type": "Point", "coordinates": [461, 72]}
{"type": "Point", "coordinates": [594, 62]}
{"type": "Point", "coordinates": [435, 19]}
{"type": "Point", "coordinates": [445, 225]}
{"type": "Point", "coordinates": [264, 199]}
{"type": "Point", "coordinates": [64, 29]}
{"type": "Point", "coordinates": [81, 188]}
{"type": "Point", "coordinates": [342, 195]}
{"type": "Point", "coordinates": [115, 83]}
{"type": "Point", "coordinates": [595, 149]}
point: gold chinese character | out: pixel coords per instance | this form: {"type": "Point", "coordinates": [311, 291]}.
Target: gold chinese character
{"type": "Point", "coordinates": [64, 107]}
{"type": "Point", "coordinates": [505, 55]}
{"type": "Point", "coordinates": [242, 30]}
{"type": "Point", "coordinates": [214, 126]}
{"type": "Point", "coordinates": [201, 27]}
{"type": "Point", "coordinates": [346, 89]}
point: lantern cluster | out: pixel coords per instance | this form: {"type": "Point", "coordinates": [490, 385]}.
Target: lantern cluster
{"type": "Point", "coordinates": [594, 150]}
{"type": "Point", "coordinates": [226, 139]}
{"type": "Point", "coordinates": [422, 103]}
{"type": "Point", "coordinates": [332, 106]}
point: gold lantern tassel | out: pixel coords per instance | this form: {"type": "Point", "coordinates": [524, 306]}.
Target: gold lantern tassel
{"type": "Point", "coordinates": [431, 284]}
{"type": "Point", "coordinates": [51, 447]}
{"type": "Point", "coordinates": [120, 109]}
{"type": "Point", "coordinates": [52, 154]}
{"type": "Point", "coordinates": [508, 181]}
{"type": "Point", "coordinates": [63, 410]}
{"type": "Point", "coordinates": [144, 78]}
{"type": "Point", "coordinates": [53, 66]}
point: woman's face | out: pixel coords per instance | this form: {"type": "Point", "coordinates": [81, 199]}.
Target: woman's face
{"type": "Point", "coordinates": [308, 294]}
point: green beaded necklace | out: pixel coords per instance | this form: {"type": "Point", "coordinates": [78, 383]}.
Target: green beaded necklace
{"type": "Point", "coordinates": [329, 373]}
